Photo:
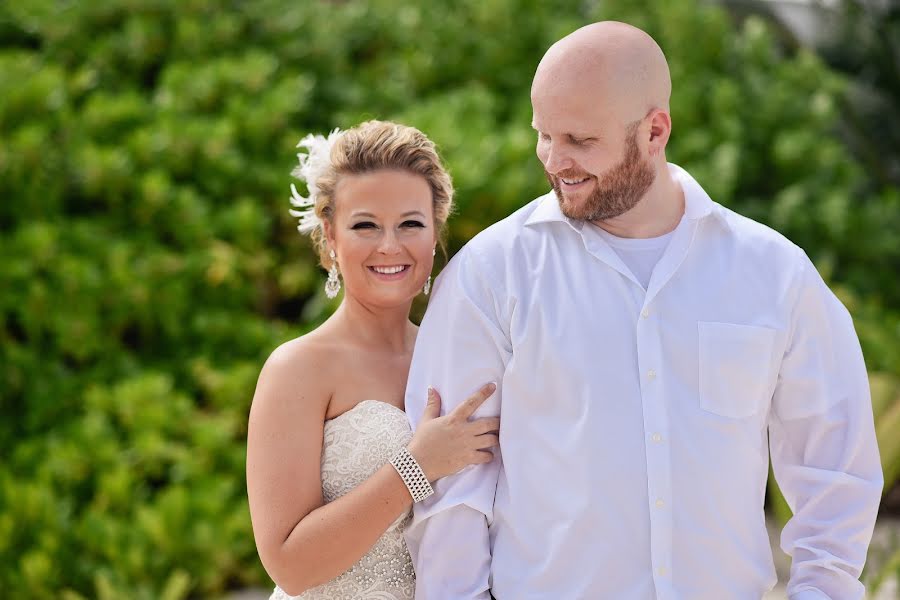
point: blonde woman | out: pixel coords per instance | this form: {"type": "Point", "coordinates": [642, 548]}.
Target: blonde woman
{"type": "Point", "coordinates": [332, 466]}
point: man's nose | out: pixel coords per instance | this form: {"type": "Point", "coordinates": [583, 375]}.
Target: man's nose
{"type": "Point", "coordinates": [557, 160]}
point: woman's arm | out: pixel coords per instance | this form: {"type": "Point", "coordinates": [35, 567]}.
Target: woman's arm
{"type": "Point", "coordinates": [302, 541]}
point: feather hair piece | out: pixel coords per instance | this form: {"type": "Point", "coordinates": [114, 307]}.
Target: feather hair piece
{"type": "Point", "coordinates": [311, 165]}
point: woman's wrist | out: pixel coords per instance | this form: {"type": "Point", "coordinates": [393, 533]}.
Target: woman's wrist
{"type": "Point", "coordinates": [411, 473]}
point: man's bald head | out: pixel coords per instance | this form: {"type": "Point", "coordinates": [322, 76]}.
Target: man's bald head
{"type": "Point", "coordinates": [600, 101]}
{"type": "Point", "coordinates": [616, 64]}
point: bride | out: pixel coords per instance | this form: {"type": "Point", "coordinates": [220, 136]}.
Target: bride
{"type": "Point", "coordinates": [332, 466]}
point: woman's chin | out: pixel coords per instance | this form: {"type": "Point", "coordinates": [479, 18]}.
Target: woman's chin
{"type": "Point", "coordinates": [387, 296]}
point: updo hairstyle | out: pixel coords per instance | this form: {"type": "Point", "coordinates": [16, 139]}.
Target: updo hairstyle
{"type": "Point", "coordinates": [373, 146]}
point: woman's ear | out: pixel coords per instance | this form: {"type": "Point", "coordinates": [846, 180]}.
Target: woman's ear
{"type": "Point", "coordinates": [328, 229]}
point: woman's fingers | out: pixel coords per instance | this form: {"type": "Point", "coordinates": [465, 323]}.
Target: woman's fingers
{"type": "Point", "coordinates": [471, 404]}
{"type": "Point", "coordinates": [445, 445]}
{"type": "Point", "coordinates": [433, 406]}
{"type": "Point", "coordinates": [481, 457]}
{"type": "Point", "coordinates": [487, 440]}
{"type": "Point", "coordinates": [486, 425]}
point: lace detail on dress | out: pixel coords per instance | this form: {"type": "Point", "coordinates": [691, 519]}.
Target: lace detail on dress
{"type": "Point", "coordinates": [356, 444]}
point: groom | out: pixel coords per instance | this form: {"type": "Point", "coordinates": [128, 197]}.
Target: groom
{"type": "Point", "coordinates": [652, 350]}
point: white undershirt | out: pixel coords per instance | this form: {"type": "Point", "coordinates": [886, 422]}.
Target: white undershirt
{"type": "Point", "coordinates": [640, 255]}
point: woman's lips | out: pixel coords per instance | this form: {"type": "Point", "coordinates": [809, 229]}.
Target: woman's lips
{"type": "Point", "coordinates": [389, 272]}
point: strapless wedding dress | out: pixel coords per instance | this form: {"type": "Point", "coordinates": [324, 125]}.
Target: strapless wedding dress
{"type": "Point", "coordinates": [357, 443]}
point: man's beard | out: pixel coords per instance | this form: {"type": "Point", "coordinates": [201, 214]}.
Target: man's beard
{"type": "Point", "coordinates": [616, 192]}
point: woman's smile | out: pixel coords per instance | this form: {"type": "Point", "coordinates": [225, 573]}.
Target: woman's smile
{"type": "Point", "coordinates": [389, 272]}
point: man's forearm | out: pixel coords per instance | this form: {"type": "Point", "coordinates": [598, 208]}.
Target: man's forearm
{"type": "Point", "coordinates": [451, 554]}
{"type": "Point", "coordinates": [835, 497]}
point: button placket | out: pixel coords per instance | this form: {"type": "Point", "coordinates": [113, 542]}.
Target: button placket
{"type": "Point", "coordinates": [658, 454]}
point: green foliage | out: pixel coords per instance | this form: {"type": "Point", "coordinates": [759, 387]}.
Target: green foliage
{"type": "Point", "coordinates": [864, 46]}
{"type": "Point", "coordinates": [148, 263]}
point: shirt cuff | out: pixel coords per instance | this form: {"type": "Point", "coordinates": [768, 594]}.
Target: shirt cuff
{"type": "Point", "coordinates": [809, 594]}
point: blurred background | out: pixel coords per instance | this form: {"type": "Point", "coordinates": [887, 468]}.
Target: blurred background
{"type": "Point", "coordinates": [148, 263]}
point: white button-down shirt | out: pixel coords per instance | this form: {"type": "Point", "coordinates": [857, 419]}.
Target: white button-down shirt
{"type": "Point", "coordinates": [636, 425]}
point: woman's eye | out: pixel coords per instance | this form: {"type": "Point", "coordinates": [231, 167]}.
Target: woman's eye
{"type": "Point", "coordinates": [364, 225]}
{"type": "Point", "coordinates": [412, 224]}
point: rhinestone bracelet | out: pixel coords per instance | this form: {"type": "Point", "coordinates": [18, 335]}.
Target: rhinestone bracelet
{"type": "Point", "coordinates": [412, 475]}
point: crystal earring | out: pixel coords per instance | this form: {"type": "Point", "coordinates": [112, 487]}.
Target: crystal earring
{"type": "Point", "coordinates": [428, 281]}
{"type": "Point", "coordinates": [333, 285]}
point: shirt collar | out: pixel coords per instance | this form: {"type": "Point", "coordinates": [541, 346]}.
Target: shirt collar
{"type": "Point", "coordinates": [697, 203]}
{"type": "Point", "coordinates": [548, 211]}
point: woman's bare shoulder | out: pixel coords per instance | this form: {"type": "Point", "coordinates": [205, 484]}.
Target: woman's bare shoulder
{"type": "Point", "coordinates": [308, 353]}
{"type": "Point", "coordinates": [299, 371]}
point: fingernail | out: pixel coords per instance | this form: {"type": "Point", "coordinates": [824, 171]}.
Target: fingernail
{"type": "Point", "coordinates": [430, 391]}
{"type": "Point", "coordinates": [493, 385]}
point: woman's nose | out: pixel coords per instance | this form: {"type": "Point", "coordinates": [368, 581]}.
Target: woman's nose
{"type": "Point", "coordinates": [389, 243]}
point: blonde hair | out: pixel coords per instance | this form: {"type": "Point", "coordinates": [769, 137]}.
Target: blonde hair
{"type": "Point", "coordinates": [373, 146]}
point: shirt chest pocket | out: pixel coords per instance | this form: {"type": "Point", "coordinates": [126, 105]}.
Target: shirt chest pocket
{"type": "Point", "coordinates": [735, 368]}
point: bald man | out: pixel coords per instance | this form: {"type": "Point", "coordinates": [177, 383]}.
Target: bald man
{"type": "Point", "coordinates": [652, 350]}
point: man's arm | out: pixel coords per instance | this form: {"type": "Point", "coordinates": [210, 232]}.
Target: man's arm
{"type": "Point", "coordinates": [823, 447]}
{"type": "Point", "coordinates": [460, 347]}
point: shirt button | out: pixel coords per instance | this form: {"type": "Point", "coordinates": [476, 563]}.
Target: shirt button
{"type": "Point", "coordinates": [645, 313]}
{"type": "Point", "coordinates": [660, 503]}
{"type": "Point", "coordinates": [656, 438]}
{"type": "Point", "coordinates": [651, 374]}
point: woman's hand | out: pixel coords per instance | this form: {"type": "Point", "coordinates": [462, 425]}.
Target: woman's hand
{"type": "Point", "coordinates": [444, 445]}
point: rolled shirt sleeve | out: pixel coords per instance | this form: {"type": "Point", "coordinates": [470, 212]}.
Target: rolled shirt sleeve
{"type": "Point", "coordinates": [460, 347]}
{"type": "Point", "coordinates": [823, 446]}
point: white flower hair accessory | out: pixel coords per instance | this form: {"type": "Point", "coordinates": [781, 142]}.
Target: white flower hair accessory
{"type": "Point", "coordinates": [312, 164]}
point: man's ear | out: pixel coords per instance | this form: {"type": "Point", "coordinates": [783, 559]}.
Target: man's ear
{"type": "Point", "coordinates": [660, 130]}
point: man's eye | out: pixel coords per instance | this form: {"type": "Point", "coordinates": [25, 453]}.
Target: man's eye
{"type": "Point", "coordinates": [412, 224]}
{"type": "Point", "coordinates": [364, 225]}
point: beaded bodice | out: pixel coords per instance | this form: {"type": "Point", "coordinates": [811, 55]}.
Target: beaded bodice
{"type": "Point", "coordinates": [356, 444]}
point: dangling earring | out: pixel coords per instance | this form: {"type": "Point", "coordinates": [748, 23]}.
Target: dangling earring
{"type": "Point", "coordinates": [428, 281]}
{"type": "Point", "coordinates": [333, 285]}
